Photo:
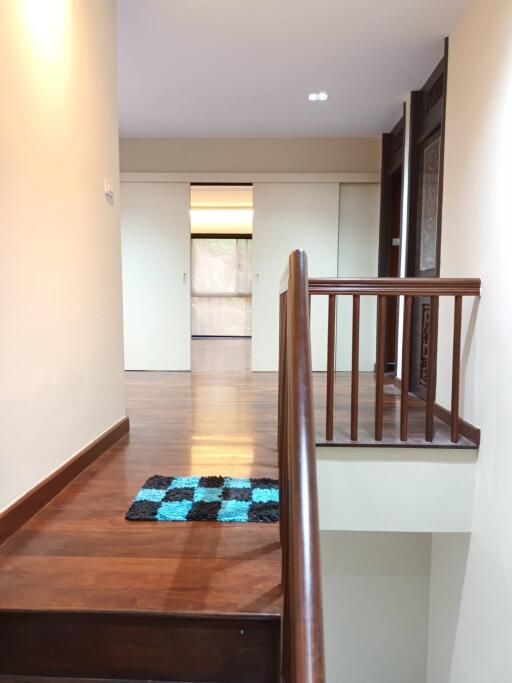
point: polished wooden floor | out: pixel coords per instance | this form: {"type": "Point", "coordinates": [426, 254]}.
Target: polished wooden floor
{"type": "Point", "coordinates": [79, 553]}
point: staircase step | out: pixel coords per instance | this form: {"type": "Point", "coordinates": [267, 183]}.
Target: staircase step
{"type": "Point", "coordinates": [138, 646]}
{"type": "Point", "coordinates": [66, 679]}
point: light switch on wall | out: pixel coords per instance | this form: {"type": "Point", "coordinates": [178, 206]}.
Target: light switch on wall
{"type": "Point", "coordinates": [109, 189]}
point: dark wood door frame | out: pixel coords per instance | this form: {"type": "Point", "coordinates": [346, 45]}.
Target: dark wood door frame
{"type": "Point", "coordinates": [391, 192]}
{"type": "Point", "coordinates": [428, 108]}
{"type": "Point", "coordinates": [427, 123]}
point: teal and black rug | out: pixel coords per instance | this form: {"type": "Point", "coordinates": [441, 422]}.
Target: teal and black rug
{"type": "Point", "coordinates": [199, 499]}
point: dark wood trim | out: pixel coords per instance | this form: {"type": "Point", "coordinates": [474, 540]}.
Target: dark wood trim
{"type": "Point", "coordinates": [423, 124]}
{"type": "Point", "coordinates": [397, 286]}
{"type": "Point", "coordinates": [412, 442]}
{"type": "Point", "coordinates": [141, 645]}
{"type": "Point", "coordinates": [410, 227]}
{"type": "Point", "coordinates": [34, 500]}
{"type": "Point", "coordinates": [220, 236]}
{"type": "Point", "coordinates": [466, 429]}
{"type": "Point", "coordinates": [392, 161]}
{"type": "Point", "coordinates": [221, 185]}
{"type": "Point", "coordinates": [441, 155]}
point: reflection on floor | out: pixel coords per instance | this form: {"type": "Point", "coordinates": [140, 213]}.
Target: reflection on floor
{"type": "Point", "coordinates": [80, 553]}
{"type": "Point", "coordinates": [221, 354]}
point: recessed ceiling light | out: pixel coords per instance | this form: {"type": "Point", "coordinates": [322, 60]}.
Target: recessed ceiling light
{"type": "Point", "coordinates": [318, 96]}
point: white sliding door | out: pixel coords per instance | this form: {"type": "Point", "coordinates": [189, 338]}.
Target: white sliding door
{"type": "Point", "coordinates": [156, 262]}
{"type": "Point", "coordinates": [358, 257]}
{"type": "Point", "coordinates": [291, 216]}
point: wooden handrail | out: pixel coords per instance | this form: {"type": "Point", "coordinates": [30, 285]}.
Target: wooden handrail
{"type": "Point", "coordinates": [396, 286]}
{"type": "Point", "coordinates": [302, 647]}
{"type": "Point", "coordinates": [384, 289]}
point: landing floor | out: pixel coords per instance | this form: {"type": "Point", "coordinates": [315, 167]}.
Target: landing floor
{"type": "Point", "coordinates": [80, 553]}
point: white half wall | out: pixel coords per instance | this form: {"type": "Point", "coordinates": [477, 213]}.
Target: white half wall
{"type": "Point", "coordinates": [358, 253]}
{"type": "Point", "coordinates": [61, 346]}
{"type": "Point", "coordinates": [375, 601]}
{"type": "Point", "coordinates": [156, 275]}
{"type": "Point", "coordinates": [290, 216]}
{"type": "Point", "coordinates": [395, 489]}
{"type": "Point", "coordinates": [477, 242]}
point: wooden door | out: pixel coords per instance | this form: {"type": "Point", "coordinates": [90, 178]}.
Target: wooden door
{"type": "Point", "coordinates": [155, 225]}
{"type": "Point", "coordinates": [424, 233]}
{"type": "Point", "coordinates": [391, 228]}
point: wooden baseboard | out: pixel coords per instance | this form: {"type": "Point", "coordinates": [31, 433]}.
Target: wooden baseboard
{"type": "Point", "coordinates": [34, 500]}
{"type": "Point", "coordinates": [466, 429]}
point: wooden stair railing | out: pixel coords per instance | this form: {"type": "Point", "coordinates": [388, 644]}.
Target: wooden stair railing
{"type": "Point", "coordinates": [384, 288]}
{"type": "Point", "coordinates": [302, 652]}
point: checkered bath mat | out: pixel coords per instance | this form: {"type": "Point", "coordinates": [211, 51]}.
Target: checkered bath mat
{"type": "Point", "coordinates": [199, 499]}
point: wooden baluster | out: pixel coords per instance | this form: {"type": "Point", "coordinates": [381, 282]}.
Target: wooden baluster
{"type": "Point", "coordinates": [406, 356]}
{"type": "Point", "coordinates": [431, 368]}
{"type": "Point", "coordinates": [281, 375]}
{"type": "Point", "coordinates": [379, 379]}
{"type": "Point", "coordinates": [354, 403]}
{"type": "Point", "coordinates": [282, 410]}
{"type": "Point", "coordinates": [457, 322]}
{"type": "Point", "coordinates": [331, 348]}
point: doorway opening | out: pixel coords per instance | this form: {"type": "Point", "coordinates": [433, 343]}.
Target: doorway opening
{"type": "Point", "coordinates": [221, 219]}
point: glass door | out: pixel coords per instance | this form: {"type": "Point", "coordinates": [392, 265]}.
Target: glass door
{"type": "Point", "coordinates": [221, 287]}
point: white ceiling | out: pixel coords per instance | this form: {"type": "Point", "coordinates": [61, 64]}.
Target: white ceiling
{"type": "Point", "coordinates": [240, 68]}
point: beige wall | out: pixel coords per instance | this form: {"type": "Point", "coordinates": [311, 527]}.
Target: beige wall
{"type": "Point", "coordinates": [252, 155]}
{"type": "Point", "coordinates": [375, 605]}
{"type": "Point", "coordinates": [358, 255]}
{"type": "Point", "coordinates": [471, 632]}
{"type": "Point", "coordinates": [60, 278]}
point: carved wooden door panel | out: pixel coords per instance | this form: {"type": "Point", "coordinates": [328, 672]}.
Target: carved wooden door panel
{"type": "Point", "coordinates": [426, 255]}
{"type": "Point", "coordinates": [424, 220]}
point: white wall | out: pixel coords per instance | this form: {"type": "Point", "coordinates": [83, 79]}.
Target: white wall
{"type": "Point", "coordinates": [252, 155]}
{"type": "Point", "coordinates": [395, 489]}
{"type": "Point", "coordinates": [61, 351]}
{"type": "Point", "coordinates": [449, 560]}
{"type": "Point", "coordinates": [291, 216]}
{"type": "Point", "coordinates": [375, 598]}
{"type": "Point", "coordinates": [358, 253]}
{"type": "Point", "coordinates": [477, 242]}
{"type": "Point", "coordinates": [156, 275]}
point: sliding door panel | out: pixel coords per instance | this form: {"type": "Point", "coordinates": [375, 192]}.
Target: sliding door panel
{"type": "Point", "coordinates": [358, 257]}
{"type": "Point", "coordinates": [156, 262]}
{"type": "Point", "coordinates": [291, 216]}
